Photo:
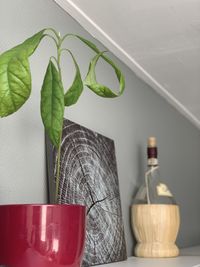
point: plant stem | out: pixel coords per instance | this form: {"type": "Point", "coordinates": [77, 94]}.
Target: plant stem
{"type": "Point", "coordinates": [58, 170]}
{"type": "Point", "coordinates": [59, 55]}
{"type": "Point", "coordinates": [55, 32]}
{"type": "Point", "coordinates": [65, 36]}
{"type": "Point", "coordinates": [59, 147]}
{"type": "Point", "coordinates": [54, 39]}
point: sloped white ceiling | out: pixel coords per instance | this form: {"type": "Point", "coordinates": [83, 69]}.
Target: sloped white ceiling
{"type": "Point", "coordinates": [159, 40]}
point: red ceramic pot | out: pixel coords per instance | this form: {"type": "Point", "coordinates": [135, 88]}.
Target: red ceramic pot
{"type": "Point", "coordinates": [42, 235]}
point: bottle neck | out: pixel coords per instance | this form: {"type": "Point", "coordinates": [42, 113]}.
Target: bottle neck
{"type": "Point", "coordinates": [152, 162]}
{"type": "Point", "coordinates": [152, 154]}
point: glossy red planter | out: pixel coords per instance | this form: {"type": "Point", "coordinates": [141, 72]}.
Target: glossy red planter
{"type": "Point", "coordinates": [42, 235]}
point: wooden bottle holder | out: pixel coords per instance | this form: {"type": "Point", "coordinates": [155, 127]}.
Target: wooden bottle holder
{"type": "Point", "coordinates": [156, 227]}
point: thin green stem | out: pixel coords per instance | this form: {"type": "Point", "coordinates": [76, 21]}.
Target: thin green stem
{"type": "Point", "coordinates": [55, 32]}
{"type": "Point", "coordinates": [54, 39]}
{"type": "Point", "coordinates": [59, 147]}
{"type": "Point", "coordinates": [58, 170]}
{"type": "Point", "coordinates": [59, 56]}
{"type": "Point", "coordinates": [55, 59]}
{"type": "Point", "coordinates": [68, 51]}
{"type": "Point", "coordinates": [65, 36]}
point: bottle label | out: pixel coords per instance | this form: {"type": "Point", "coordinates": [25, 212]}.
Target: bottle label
{"type": "Point", "coordinates": [163, 190]}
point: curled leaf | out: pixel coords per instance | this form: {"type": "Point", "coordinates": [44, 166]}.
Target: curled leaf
{"type": "Point", "coordinates": [99, 89]}
{"type": "Point", "coordinates": [90, 80]}
{"type": "Point", "coordinates": [52, 104]}
{"type": "Point", "coordinates": [108, 60]}
{"type": "Point", "coordinates": [73, 93]}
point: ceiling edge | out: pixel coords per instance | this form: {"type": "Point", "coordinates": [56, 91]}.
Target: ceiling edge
{"type": "Point", "coordinates": [74, 11]}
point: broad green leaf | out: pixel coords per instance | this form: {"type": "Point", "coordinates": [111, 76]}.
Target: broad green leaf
{"type": "Point", "coordinates": [73, 93]}
{"type": "Point", "coordinates": [52, 104]}
{"type": "Point", "coordinates": [99, 89]}
{"type": "Point", "coordinates": [15, 83]}
{"type": "Point", "coordinates": [15, 76]}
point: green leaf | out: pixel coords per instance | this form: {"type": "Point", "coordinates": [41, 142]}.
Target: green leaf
{"type": "Point", "coordinates": [32, 43]}
{"type": "Point", "coordinates": [15, 76]}
{"type": "Point", "coordinates": [102, 90]}
{"type": "Point", "coordinates": [52, 104]}
{"type": "Point", "coordinates": [90, 80]}
{"type": "Point", "coordinates": [87, 42]}
{"type": "Point", "coordinates": [15, 84]}
{"type": "Point", "coordinates": [95, 49]}
{"type": "Point", "coordinates": [75, 90]}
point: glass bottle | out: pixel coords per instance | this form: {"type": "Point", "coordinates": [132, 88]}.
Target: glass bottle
{"type": "Point", "coordinates": [153, 191]}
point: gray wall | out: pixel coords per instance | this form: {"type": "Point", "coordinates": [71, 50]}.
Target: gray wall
{"type": "Point", "coordinates": [129, 120]}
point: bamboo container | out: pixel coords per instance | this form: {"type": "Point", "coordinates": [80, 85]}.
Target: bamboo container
{"type": "Point", "coordinates": [156, 227]}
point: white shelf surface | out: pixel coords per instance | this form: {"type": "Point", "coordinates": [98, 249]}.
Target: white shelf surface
{"type": "Point", "coordinates": [189, 257]}
{"type": "Point", "coordinates": [181, 261]}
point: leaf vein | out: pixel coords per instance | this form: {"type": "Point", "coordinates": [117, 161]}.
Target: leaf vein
{"type": "Point", "coordinates": [12, 73]}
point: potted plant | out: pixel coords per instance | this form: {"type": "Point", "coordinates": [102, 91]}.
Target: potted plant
{"type": "Point", "coordinates": [46, 235]}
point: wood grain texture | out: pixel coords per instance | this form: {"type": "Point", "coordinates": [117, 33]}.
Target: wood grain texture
{"type": "Point", "coordinates": [156, 228]}
{"type": "Point", "coordinates": [89, 176]}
